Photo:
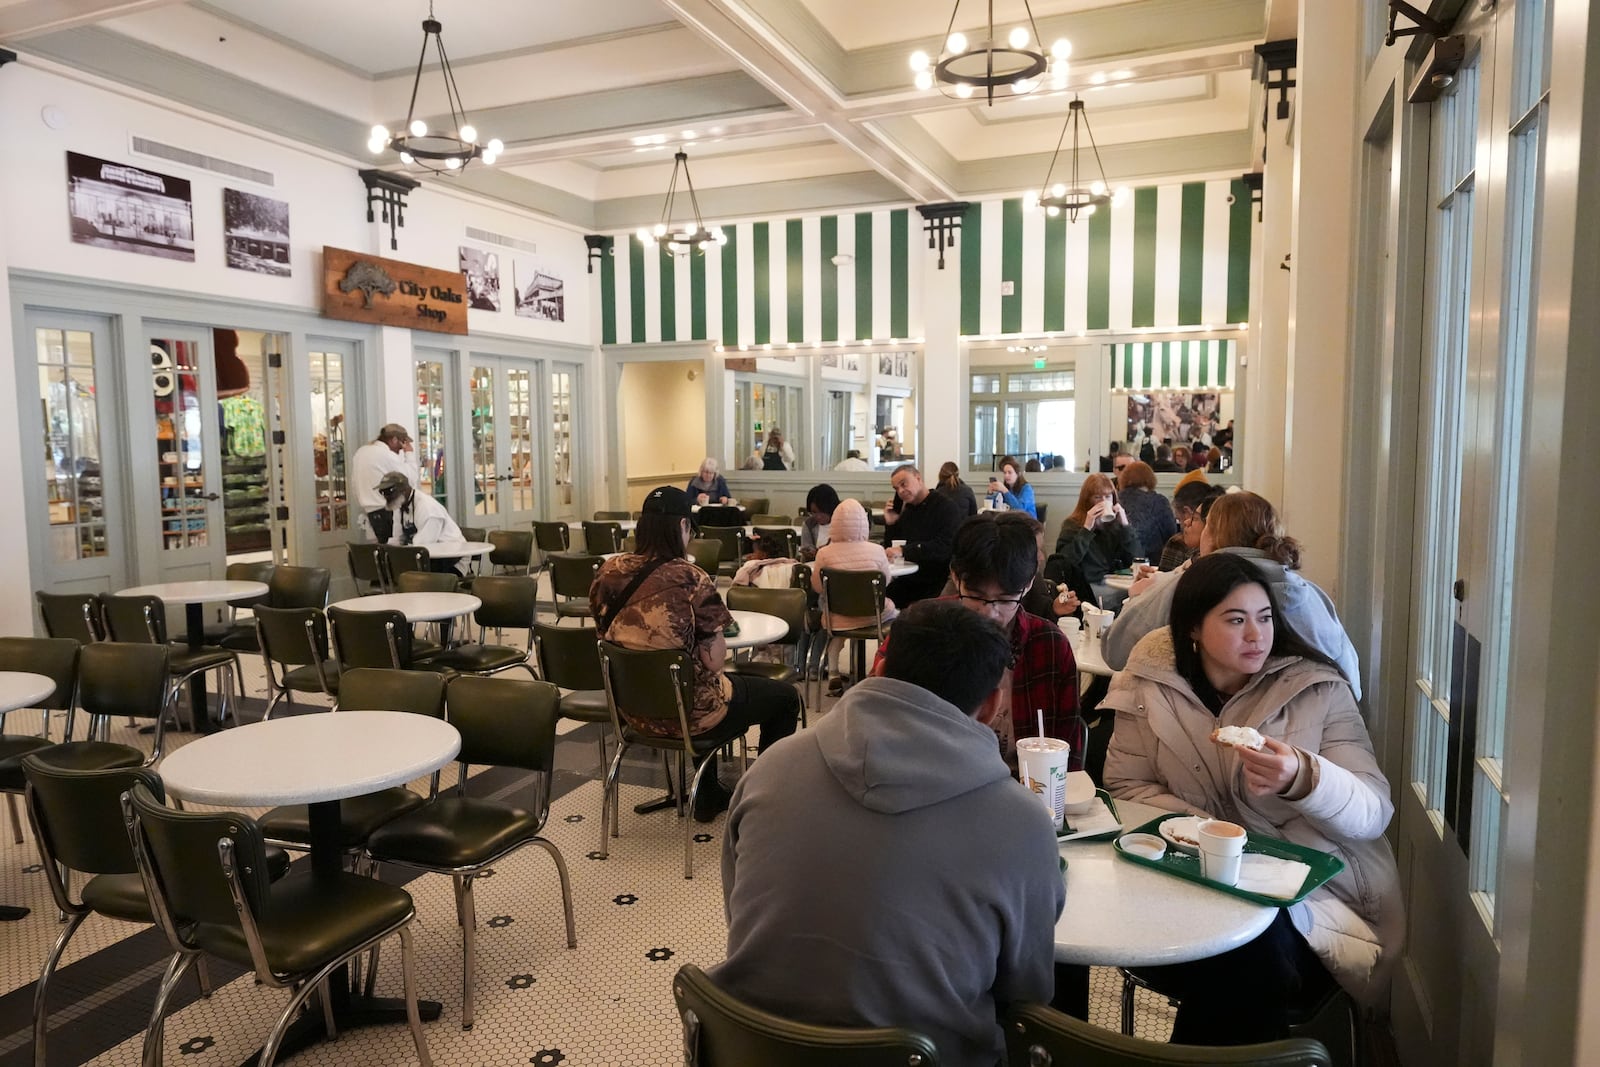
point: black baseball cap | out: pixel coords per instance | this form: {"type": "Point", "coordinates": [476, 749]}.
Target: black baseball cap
{"type": "Point", "coordinates": [667, 500]}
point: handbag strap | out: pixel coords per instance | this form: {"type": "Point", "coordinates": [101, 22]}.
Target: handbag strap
{"type": "Point", "coordinates": [612, 605]}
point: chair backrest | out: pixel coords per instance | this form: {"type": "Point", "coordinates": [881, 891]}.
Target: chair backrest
{"type": "Point", "coordinates": [366, 563]}
{"type": "Point", "coordinates": [299, 587]}
{"type": "Point", "coordinates": [426, 582]}
{"type": "Point", "coordinates": [572, 575]}
{"type": "Point", "coordinates": [731, 538]}
{"type": "Point", "coordinates": [706, 553]}
{"type": "Point", "coordinates": [610, 516]}
{"type": "Point", "coordinates": [474, 533]}
{"type": "Point", "coordinates": [179, 856]}
{"type": "Point", "coordinates": [720, 1030]}
{"type": "Point", "coordinates": [77, 814]}
{"type": "Point", "coordinates": [719, 515]}
{"type": "Point", "coordinates": [54, 657]}
{"type": "Point", "coordinates": [117, 678]}
{"type": "Point", "coordinates": [1038, 1036]}
{"type": "Point", "coordinates": [784, 535]}
{"type": "Point", "coordinates": [649, 684]}
{"type": "Point", "coordinates": [370, 638]}
{"type": "Point", "coordinates": [506, 722]}
{"type": "Point", "coordinates": [399, 559]}
{"type": "Point", "coordinates": [552, 536]}
{"type": "Point", "coordinates": [507, 601]}
{"type": "Point", "coordinates": [568, 656]}
{"type": "Point", "coordinates": [787, 604]}
{"type": "Point", "coordinates": [512, 548]}
{"type": "Point", "coordinates": [1039, 512]}
{"type": "Point", "coordinates": [71, 615]}
{"type": "Point", "coordinates": [134, 619]}
{"type": "Point", "coordinates": [753, 504]}
{"type": "Point", "coordinates": [858, 593]}
{"type": "Point", "coordinates": [368, 689]}
{"type": "Point", "coordinates": [767, 519]}
{"type": "Point", "coordinates": [250, 572]}
{"type": "Point", "coordinates": [602, 537]}
{"type": "Point", "coordinates": [292, 636]}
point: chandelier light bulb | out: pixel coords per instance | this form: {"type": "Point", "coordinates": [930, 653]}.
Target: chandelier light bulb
{"type": "Point", "coordinates": [1121, 196]}
{"type": "Point", "coordinates": [496, 145]}
{"type": "Point", "coordinates": [419, 128]}
{"type": "Point", "coordinates": [453, 163]}
{"type": "Point", "coordinates": [1089, 210]}
{"type": "Point", "coordinates": [490, 157]}
{"type": "Point", "coordinates": [1058, 189]}
{"type": "Point", "coordinates": [924, 79]}
{"type": "Point", "coordinates": [1022, 86]}
{"type": "Point", "coordinates": [375, 146]}
{"type": "Point", "coordinates": [1019, 37]}
{"type": "Point", "coordinates": [661, 229]}
{"type": "Point", "coordinates": [722, 235]}
{"type": "Point", "coordinates": [1061, 48]}
{"type": "Point", "coordinates": [1052, 211]}
{"type": "Point", "coordinates": [406, 158]}
{"type": "Point", "coordinates": [919, 60]}
{"type": "Point", "coordinates": [964, 91]}
{"type": "Point", "coordinates": [1097, 187]}
{"type": "Point", "coordinates": [380, 133]}
{"type": "Point", "coordinates": [956, 44]}
{"type": "Point", "coordinates": [469, 133]}
{"type": "Point", "coordinates": [644, 236]}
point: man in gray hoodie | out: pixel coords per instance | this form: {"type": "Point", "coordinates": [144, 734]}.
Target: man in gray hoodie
{"type": "Point", "coordinates": [883, 868]}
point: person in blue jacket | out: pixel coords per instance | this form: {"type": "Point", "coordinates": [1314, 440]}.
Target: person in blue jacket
{"type": "Point", "coordinates": [1012, 487]}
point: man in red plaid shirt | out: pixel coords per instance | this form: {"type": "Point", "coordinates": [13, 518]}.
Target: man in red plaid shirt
{"type": "Point", "coordinates": [992, 566]}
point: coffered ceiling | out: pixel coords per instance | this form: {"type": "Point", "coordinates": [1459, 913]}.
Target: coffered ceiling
{"type": "Point", "coordinates": [782, 105]}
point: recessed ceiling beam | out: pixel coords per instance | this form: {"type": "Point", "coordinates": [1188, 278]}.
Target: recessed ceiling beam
{"type": "Point", "coordinates": [29, 18]}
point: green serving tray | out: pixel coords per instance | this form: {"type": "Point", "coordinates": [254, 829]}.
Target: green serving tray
{"type": "Point", "coordinates": [1186, 865]}
{"type": "Point", "coordinates": [1066, 835]}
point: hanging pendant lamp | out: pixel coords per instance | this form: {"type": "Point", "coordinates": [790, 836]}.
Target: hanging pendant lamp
{"type": "Point", "coordinates": [446, 151]}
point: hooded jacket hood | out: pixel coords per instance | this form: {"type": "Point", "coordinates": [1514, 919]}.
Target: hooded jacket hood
{"type": "Point", "coordinates": [850, 522]}
{"type": "Point", "coordinates": [896, 747]}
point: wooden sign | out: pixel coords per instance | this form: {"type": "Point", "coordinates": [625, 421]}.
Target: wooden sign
{"type": "Point", "coordinates": [747, 363]}
{"type": "Point", "coordinates": [388, 292]}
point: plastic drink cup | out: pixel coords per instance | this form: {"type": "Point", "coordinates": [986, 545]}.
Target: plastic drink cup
{"type": "Point", "coordinates": [1042, 764]}
{"type": "Point", "coordinates": [898, 544]}
{"type": "Point", "coordinates": [1221, 847]}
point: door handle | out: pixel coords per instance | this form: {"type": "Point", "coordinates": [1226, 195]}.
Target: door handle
{"type": "Point", "coordinates": [211, 496]}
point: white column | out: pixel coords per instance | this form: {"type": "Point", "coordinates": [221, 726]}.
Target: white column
{"type": "Point", "coordinates": [1263, 423]}
{"type": "Point", "coordinates": [1312, 500]}
{"type": "Point", "coordinates": [396, 386]}
{"type": "Point", "coordinates": [16, 594]}
{"type": "Point", "coordinates": [943, 393]}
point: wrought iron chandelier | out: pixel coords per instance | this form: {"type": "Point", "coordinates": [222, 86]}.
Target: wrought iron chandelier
{"type": "Point", "coordinates": [1073, 196]}
{"type": "Point", "coordinates": [1019, 61]}
{"type": "Point", "coordinates": [681, 237]}
{"type": "Point", "coordinates": [446, 151]}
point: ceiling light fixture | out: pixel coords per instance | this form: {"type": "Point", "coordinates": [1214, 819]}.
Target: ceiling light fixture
{"type": "Point", "coordinates": [446, 151]}
{"type": "Point", "coordinates": [682, 238]}
{"type": "Point", "coordinates": [1018, 60]}
{"type": "Point", "coordinates": [1073, 197]}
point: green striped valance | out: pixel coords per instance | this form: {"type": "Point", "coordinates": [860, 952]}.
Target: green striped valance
{"type": "Point", "coordinates": [1174, 365]}
{"type": "Point", "coordinates": [1171, 255]}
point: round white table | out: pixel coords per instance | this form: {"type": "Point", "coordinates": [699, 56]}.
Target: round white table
{"type": "Point", "coordinates": [1089, 654]}
{"type": "Point", "coordinates": [21, 689]}
{"type": "Point", "coordinates": [416, 607]}
{"type": "Point", "coordinates": [317, 760]}
{"type": "Point", "coordinates": [756, 628]}
{"type": "Point", "coordinates": [626, 525]}
{"type": "Point", "coordinates": [194, 596]}
{"type": "Point", "coordinates": [1124, 915]}
{"type": "Point", "coordinates": [458, 549]}
{"type": "Point", "coordinates": [899, 568]}
{"type": "Point", "coordinates": [1123, 582]}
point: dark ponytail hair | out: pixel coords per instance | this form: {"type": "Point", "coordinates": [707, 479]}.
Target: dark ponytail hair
{"type": "Point", "coordinates": [1207, 583]}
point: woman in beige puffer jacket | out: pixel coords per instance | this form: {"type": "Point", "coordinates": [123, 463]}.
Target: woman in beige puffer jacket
{"type": "Point", "coordinates": [1161, 754]}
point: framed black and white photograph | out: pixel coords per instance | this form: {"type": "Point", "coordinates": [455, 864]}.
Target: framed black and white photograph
{"type": "Point", "coordinates": [113, 205]}
{"type": "Point", "coordinates": [885, 364]}
{"type": "Point", "coordinates": [256, 230]}
{"type": "Point", "coordinates": [902, 365]}
{"type": "Point", "coordinates": [482, 271]}
{"type": "Point", "coordinates": [540, 292]}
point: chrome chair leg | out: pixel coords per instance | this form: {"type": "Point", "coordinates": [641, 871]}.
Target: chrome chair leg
{"type": "Point", "coordinates": [608, 814]}
{"type": "Point", "coordinates": [566, 887]}
{"type": "Point", "coordinates": [469, 949]}
{"type": "Point", "coordinates": [202, 974]}
{"type": "Point", "coordinates": [372, 969]}
{"type": "Point", "coordinates": [328, 1023]}
{"type": "Point", "coordinates": [409, 979]}
{"type": "Point", "coordinates": [297, 999]}
{"type": "Point", "coordinates": [688, 826]}
{"type": "Point", "coordinates": [40, 1005]}
{"type": "Point", "coordinates": [155, 1034]}
{"type": "Point", "coordinates": [16, 818]}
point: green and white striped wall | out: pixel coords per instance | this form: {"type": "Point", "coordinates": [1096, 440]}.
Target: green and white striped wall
{"type": "Point", "coordinates": [1172, 255]}
{"type": "Point", "coordinates": [772, 283]}
{"type": "Point", "coordinates": [1174, 365]}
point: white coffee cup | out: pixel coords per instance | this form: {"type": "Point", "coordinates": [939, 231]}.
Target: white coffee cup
{"type": "Point", "coordinates": [898, 544]}
{"type": "Point", "coordinates": [1042, 764]}
{"type": "Point", "coordinates": [1221, 847]}
{"type": "Point", "coordinates": [1069, 624]}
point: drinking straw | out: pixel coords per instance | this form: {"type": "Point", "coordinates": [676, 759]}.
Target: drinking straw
{"type": "Point", "coordinates": [1040, 712]}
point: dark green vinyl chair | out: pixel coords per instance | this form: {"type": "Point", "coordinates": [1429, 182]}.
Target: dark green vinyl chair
{"type": "Point", "coordinates": [1037, 1036]}
{"type": "Point", "coordinates": [57, 659]}
{"type": "Point", "coordinates": [788, 540]}
{"type": "Point", "coordinates": [569, 658]}
{"type": "Point", "coordinates": [379, 639]}
{"type": "Point", "coordinates": [143, 619]}
{"type": "Point", "coordinates": [571, 576]}
{"type": "Point", "coordinates": [719, 1030]}
{"type": "Point", "coordinates": [399, 559]}
{"type": "Point", "coordinates": [366, 567]}
{"type": "Point", "coordinates": [786, 604]}
{"type": "Point", "coordinates": [418, 692]}
{"type": "Point", "coordinates": [474, 533]}
{"type": "Point", "coordinates": [119, 679]}
{"type": "Point", "coordinates": [294, 651]}
{"type": "Point", "coordinates": [507, 602]}
{"type": "Point", "coordinates": [513, 551]}
{"type": "Point", "coordinates": [602, 537]}
{"type": "Point", "coordinates": [706, 553]}
{"type": "Point", "coordinates": [731, 540]}
{"type": "Point", "coordinates": [206, 876]}
{"type": "Point", "coordinates": [241, 572]}
{"type": "Point", "coordinates": [504, 723]}
{"type": "Point", "coordinates": [614, 516]}
{"type": "Point", "coordinates": [288, 587]}
{"type": "Point", "coordinates": [72, 615]}
{"type": "Point", "coordinates": [859, 594]}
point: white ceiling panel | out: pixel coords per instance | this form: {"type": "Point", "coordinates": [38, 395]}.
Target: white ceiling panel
{"type": "Point", "coordinates": [862, 25]}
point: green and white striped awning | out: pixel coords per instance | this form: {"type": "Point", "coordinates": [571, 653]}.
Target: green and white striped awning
{"type": "Point", "coordinates": [1174, 365]}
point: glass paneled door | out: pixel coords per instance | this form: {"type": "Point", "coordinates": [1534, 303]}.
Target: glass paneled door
{"type": "Point", "coordinates": [505, 464]}
{"type": "Point", "coordinates": [185, 452]}
{"type": "Point", "coordinates": [75, 495]}
{"type": "Point", "coordinates": [563, 406]}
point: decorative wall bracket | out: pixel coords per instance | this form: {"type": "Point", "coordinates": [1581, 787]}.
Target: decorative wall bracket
{"type": "Point", "coordinates": [389, 190]}
{"type": "Point", "coordinates": [600, 246]}
{"type": "Point", "coordinates": [941, 223]}
{"type": "Point", "coordinates": [1254, 181]}
{"type": "Point", "coordinates": [1425, 24]}
{"type": "Point", "coordinates": [1278, 58]}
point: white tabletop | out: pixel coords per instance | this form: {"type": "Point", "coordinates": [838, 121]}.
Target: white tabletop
{"type": "Point", "coordinates": [458, 549]}
{"type": "Point", "coordinates": [1123, 582]}
{"type": "Point", "coordinates": [416, 607]}
{"type": "Point", "coordinates": [899, 568]}
{"type": "Point", "coordinates": [627, 525]}
{"type": "Point", "coordinates": [1089, 654]}
{"type": "Point", "coordinates": [204, 592]}
{"type": "Point", "coordinates": [19, 689]}
{"type": "Point", "coordinates": [303, 759]}
{"type": "Point", "coordinates": [756, 628]}
{"type": "Point", "coordinates": [1121, 914]}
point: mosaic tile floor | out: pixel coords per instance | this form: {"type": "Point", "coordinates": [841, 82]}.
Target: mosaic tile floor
{"type": "Point", "coordinates": [607, 1002]}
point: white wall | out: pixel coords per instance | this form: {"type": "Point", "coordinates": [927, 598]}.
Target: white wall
{"type": "Point", "coordinates": [663, 422]}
